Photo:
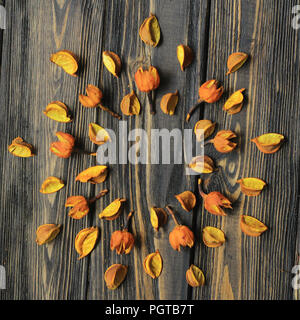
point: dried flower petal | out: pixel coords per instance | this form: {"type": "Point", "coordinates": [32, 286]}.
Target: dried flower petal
{"type": "Point", "coordinates": [122, 241]}
{"type": "Point", "coordinates": [202, 164]}
{"type": "Point", "coordinates": [214, 201]}
{"type": "Point", "coordinates": [181, 236]}
{"type": "Point", "coordinates": [113, 210]}
{"type": "Point", "coordinates": [185, 56]}
{"type": "Point", "coordinates": [46, 233]}
{"type": "Point", "coordinates": [85, 241]}
{"type": "Point", "coordinates": [269, 142]}
{"type": "Point", "coordinates": [112, 62]}
{"type": "Point", "coordinates": [97, 134]}
{"type": "Point", "coordinates": [51, 185]}
{"type": "Point", "coordinates": [207, 126]}
{"type": "Point", "coordinates": [93, 97]}
{"type": "Point", "coordinates": [57, 111]}
{"type": "Point", "coordinates": [158, 217]}
{"type": "Point", "coordinates": [64, 147]}
{"type": "Point", "coordinates": [213, 237]}
{"type": "Point", "coordinates": [235, 61]}
{"type": "Point", "coordinates": [130, 104]}
{"type": "Point", "coordinates": [80, 207]}
{"type": "Point", "coordinates": [222, 141]}
{"type": "Point", "coordinates": [66, 60]}
{"type": "Point", "coordinates": [20, 148]}
{"type": "Point", "coordinates": [147, 80]}
{"type": "Point", "coordinates": [195, 277]}
{"type": "Point", "coordinates": [187, 200]}
{"type": "Point", "coordinates": [153, 264]}
{"type": "Point", "coordinates": [150, 31]}
{"type": "Point", "coordinates": [234, 103]}
{"type": "Point", "coordinates": [169, 102]}
{"type": "Point", "coordinates": [211, 91]}
{"type": "Point", "coordinates": [251, 226]}
{"type": "Point", "coordinates": [251, 186]}
{"type": "Point", "coordinates": [115, 275]}
{"type": "Point", "coordinates": [94, 175]}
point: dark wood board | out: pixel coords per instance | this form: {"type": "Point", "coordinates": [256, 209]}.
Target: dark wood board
{"type": "Point", "coordinates": [244, 268]}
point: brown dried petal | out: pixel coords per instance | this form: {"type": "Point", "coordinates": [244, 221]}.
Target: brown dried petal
{"type": "Point", "coordinates": [130, 104]}
{"type": "Point", "coordinates": [150, 31]}
{"type": "Point", "coordinates": [185, 56]}
{"type": "Point", "coordinates": [113, 210]}
{"type": "Point", "coordinates": [195, 276]}
{"type": "Point", "coordinates": [213, 237]}
{"type": "Point", "coordinates": [115, 275]}
{"type": "Point", "coordinates": [235, 61]}
{"type": "Point", "coordinates": [187, 200]}
{"type": "Point", "coordinates": [269, 142]}
{"type": "Point", "coordinates": [251, 226]}
{"type": "Point", "coordinates": [94, 175]}
{"type": "Point", "coordinates": [181, 236]}
{"type": "Point", "coordinates": [234, 103]}
{"type": "Point", "coordinates": [112, 62]}
{"type": "Point", "coordinates": [158, 217]}
{"type": "Point", "coordinates": [169, 102]}
{"type": "Point", "coordinates": [222, 141]}
{"type": "Point", "coordinates": [153, 264]}
{"type": "Point", "coordinates": [46, 233]}
{"type": "Point", "coordinates": [80, 207]}
{"type": "Point", "coordinates": [97, 134]}
{"type": "Point", "coordinates": [202, 164]}
{"type": "Point", "coordinates": [85, 241]}
{"type": "Point", "coordinates": [93, 97]}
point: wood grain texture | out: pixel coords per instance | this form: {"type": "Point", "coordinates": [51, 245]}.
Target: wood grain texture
{"type": "Point", "coordinates": [245, 267]}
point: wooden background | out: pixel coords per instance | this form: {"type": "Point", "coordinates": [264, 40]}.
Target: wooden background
{"type": "Point", "coordinates": [245, 267]}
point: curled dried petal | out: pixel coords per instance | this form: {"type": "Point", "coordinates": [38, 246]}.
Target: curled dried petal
{"type": "Point", "coordinates": [64, 147]}
{"type": "Point", "coordinates": [58, 111]}
{"type": "Point", "coordinates": [235, 61]}
{"type": "Point", "coordinates": [185, 56]}
{"type": "Point", "coordinates": [147, 80]}
{"type": "Point", "coordinates": [85, 241]}
{"type": "Point", "coordinates": [46, 233]}
{"type": "Point", "coordinates": [150, 31]}
{"type": "Point", "coordinates": [269, 142]}
{"type": "Point", "coordinates": [204, 127]}
{"type": "Point", "coordinates": [94, 175]}
{"type": "Point", "coordinates": [153, 264]}
{"type": "Point", "coordinates": [251, 226]}
{"type": "Point", "coordinates": [213, 237]}
{"type": "Point", "coordinates": [115, 275]}
{"type": "Point", "coordinates": [20, 148]}
{"type": "Point", "coordinates": [169, 102]}
{"type": "Point", "coordinates": [112, 62]}
{"type": "Point", "coordinates": [66, 60]}
{"type": "Point", "coordinates": [158, 217]}
{"type": "Point", "coordinates": [181, 236]}
{"type": "Point", "coordinates": [51, 185]}
{"type": "Point", "coordinates": [234, 103]}
{"type": "Point", "coordinates": [211, 91]}
{"type": "Point", "coordinates": [187, 200]}
{"type": "Point", "coordinates": [130, 104]}
{"type": "Point", "coordinates": [202, 164]}
{"type": "Point", "coordinates": [222, 141]}
{"type": "Point", "coordinates": [79, 205]}
{"type": "Point", "coordinates": [93, 97]}
{"type": "Point", "coordinates": [97, 134]}
{"type": "Point", "coordinates": [195, 276]}
{"type": "Point", "coordinates": [113, 210]}
{"type": "Point", "coordinates": [251, 186]}
{"type": "Point", "coordinates": [122, 241]}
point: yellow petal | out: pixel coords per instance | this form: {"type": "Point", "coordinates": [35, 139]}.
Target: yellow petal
{"type": "Point", "coordinates": [85, 241]}
{"type": "Point", "coordinates": [112, 62]}
{"type": "Point", "coordinates": [94, 175]}
{"type": "Point", "coordinates": [213, 237]}
{"type": "Point", "coordinates": [202, 164]}
{"type": "Point", "coordinates": [195, 276]}
{"type": "Point", "coordinates": [184, 55]}
{"type": "Point", "coordinates": [169, 102]}
{"type": "Point", "coordinates": [251, 226]}
{"type": "Point", "coordinates": [115, 275]}
{"type": "Point", "coordinates": [66, 60]}
{"type": "Point", "coordinates": [20, 148]}
{"type": "Point", "coordinates": [113, 210]}
{"type": "Point", "coordinates": [97, 134]}
{"type": "Point", "coordinates": [51, 185]}
{"type": "Point", "coordinates": [57, 111]}
{"type": "Point", "coordinates": [150, 31]}
{"type": "Point", "coordinates": [46, 233]}
{"type": "Point", "coordinates": [234, 103]}
{"type": "Point", "coordinates": [251, 186]}
{"type": "Point", "coordinates": [187, 200]}
{"type": "Point", "coordinates": [153, 264]}
{"type": "Point", "coordinates": [130, 104]}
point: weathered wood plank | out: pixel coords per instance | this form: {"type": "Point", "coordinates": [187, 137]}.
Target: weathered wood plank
{"type": "Point", "coordinates": [29, 83]}
{"type": "Point", "coordinates": [149, 185]}
{"type": "Point", "coordinates": [2, 3]}
{"type": "Point", "coordinates": [245, 267]}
